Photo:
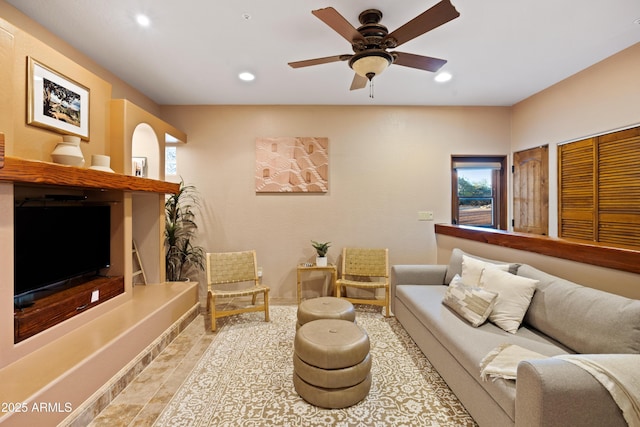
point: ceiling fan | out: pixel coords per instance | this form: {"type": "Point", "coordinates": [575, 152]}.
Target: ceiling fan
{"type": "Point", "coordinates": [371, 41]}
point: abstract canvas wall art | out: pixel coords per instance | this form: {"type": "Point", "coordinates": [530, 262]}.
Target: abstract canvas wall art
{"type": "Point", "coordinates": [292, 165]}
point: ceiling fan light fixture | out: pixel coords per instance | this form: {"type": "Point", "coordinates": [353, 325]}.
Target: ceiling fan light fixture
{"type": "Point", "coordinates": [370, 64]}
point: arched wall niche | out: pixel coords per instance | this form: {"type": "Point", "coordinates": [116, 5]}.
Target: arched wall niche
{"type": "Point", "coordinates": [137, 133]}
{"type": "Point", "coordinates": [126, 118]}
{"type": "Point", "coordinates": [145, 152]}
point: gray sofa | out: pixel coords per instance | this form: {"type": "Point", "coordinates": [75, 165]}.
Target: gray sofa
{"type": "Point", "coordinates": [563, 318]}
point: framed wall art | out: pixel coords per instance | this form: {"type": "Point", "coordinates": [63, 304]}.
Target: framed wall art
{"type": "Point", "coordinates": [292, 165]}
{"type": "Point", "coordinates": [56, 102]}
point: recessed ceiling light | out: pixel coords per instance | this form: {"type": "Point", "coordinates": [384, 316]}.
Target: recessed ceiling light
{"type": "Point", "coordinates": [143, 20]}
{"type": "Point", "coordinates": [442, 77]}
{"type": "Point", "coordinates": [246, 16]}
{"type": "Point", "coordinates": [246, 76]}
{"type": "Point", "coordinates": [637, 21]}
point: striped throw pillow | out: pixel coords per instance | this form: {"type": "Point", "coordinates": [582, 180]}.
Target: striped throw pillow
{"type": "Point", "coordinates": [474, 304]}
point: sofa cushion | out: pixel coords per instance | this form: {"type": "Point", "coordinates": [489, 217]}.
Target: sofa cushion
{"type": "Point", "coordinates": [584, 319]}
{"type": "Point", "coordinates": [455, 264]}
{"type": "Point", "coordinates": [472, 269]}
{"type": "Point", "coordinates": [514, 296]}
{"type": "Point", "coordinates": [469, 345]}
{"type": "Point", "coordinates": [474, 304]}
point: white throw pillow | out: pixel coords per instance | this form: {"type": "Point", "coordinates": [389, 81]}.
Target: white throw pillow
{"type": "Point", "coordinates": [472, 269]}
{"type": "Point", "coordinates": [472, 303]}
{"type": "Point", "coordinates": [514, 297]}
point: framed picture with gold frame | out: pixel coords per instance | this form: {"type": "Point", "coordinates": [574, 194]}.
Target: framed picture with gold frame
{"type": "Point", "coordinates": [56, 102]}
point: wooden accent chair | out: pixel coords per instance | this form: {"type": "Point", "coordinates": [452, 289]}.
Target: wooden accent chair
{"type": "Point", "coordinates": [234, 267]}
{"type": "Point", "coordinates": [359, 267]}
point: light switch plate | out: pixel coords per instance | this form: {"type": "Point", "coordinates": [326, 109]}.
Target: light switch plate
{"type": "Point", "coordinates": [425, 216]}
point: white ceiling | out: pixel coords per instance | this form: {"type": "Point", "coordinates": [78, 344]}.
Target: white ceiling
{"type": "Point", "coordinates": [499, 51]}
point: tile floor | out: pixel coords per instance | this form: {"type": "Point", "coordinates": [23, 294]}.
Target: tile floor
{"type": "Point", "coordinates": [142, 401]}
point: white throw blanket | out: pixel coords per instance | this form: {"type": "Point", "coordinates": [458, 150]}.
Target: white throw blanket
{"type": "Point", "coordinates": [502, 361]}
{"type": "Point", "coordinates": [618, 373]}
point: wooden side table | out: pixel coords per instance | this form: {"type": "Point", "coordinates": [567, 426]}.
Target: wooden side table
{"type": "Point", "coordinates": [331, 268]}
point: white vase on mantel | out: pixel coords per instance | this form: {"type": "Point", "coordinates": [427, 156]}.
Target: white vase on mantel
{"type": "Point", "coordinates": [101, 162]}
{"type": "Point", "coordinates": [68, 152]}
{"type": "Point", "coordinates": [321, 261]}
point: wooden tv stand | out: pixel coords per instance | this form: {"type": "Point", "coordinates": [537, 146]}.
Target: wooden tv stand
{"type": "Point", "coordinates": [62, 305]}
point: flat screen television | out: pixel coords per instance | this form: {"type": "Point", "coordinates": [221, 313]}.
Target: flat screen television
{"type": "Point", "coordinates": [53, 244]}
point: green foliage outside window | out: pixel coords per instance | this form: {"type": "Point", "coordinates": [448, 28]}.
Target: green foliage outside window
{"type": "Point", "coordinates": [469, 192]}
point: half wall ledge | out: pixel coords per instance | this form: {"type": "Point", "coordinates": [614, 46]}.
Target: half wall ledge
{"type": "Point", "coordinates": [594, 253]}
{"type": "Point", "coordinates": [69, 370]}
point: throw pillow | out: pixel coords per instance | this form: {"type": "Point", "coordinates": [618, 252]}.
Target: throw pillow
{"type": "Point", "coordinates": [472, 269]}
{"type": "Point", "coordinates": [472, 303]}
{"type": "Point", "coordinates": [514, 297]}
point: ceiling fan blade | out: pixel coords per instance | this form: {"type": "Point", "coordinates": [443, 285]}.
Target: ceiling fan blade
{"type": "Point", "coordinates": [318, 61]}
{"type": "Point", "coordinates": [358, 82]}
{"type": "Point", "coordinates": [437, 15]}
{"type": "Point", "coordinates": [426, 63]}
{"type": "Point", "coordinates": [332, 18]}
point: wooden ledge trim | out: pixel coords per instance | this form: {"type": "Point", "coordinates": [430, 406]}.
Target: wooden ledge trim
{"type": "Point", "coordinates": [32, 171]}
{"type": "Point", "coordinates": [594, 253]}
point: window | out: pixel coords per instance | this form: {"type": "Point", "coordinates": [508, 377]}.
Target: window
{"type": "Point", "coordinates": [478, 191]}
{"type": "Point", "coordinates": [170, 163]}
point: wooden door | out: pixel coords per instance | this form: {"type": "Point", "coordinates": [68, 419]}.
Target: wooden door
{"type": "Point", "coordinates": [531, 190]}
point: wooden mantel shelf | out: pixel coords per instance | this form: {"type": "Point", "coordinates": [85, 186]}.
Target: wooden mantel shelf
{"type": "Point", "coordinates": [38, 172]}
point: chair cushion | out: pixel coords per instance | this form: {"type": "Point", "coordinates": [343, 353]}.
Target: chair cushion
{"type": "Point", "coordinates": [363, 284]}
{"type": "Point", "coordinates": [238, 292]}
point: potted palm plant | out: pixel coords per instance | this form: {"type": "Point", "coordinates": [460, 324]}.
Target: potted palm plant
{"type": "Point", "coordinates": [181, 255]}
{"type": "Point", "coordinates": [321, 251]}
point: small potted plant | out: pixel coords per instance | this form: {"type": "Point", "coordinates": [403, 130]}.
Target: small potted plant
{"type": "Point", "coordinates": [321, 251]}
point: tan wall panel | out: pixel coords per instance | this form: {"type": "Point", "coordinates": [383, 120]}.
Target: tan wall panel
{"type": "Point", "coordinates": [385, 165]}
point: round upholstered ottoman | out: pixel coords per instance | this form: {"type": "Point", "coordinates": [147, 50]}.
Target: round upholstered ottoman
{"type": "Point", "coordinates": [331, 363]}
{"type": "Point", "coordinates": [325, 308]}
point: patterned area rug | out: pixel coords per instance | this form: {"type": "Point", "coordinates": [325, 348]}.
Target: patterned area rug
{"type": "Point", "coordinates": [245, 379]}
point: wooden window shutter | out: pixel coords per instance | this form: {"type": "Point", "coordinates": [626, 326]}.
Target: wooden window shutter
{"type": "Point", "coordinates": [576, 190]}
{"type": "Point", "coordinates": [619, 188]}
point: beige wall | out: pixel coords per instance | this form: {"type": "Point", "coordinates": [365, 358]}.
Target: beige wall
{"type": "Point", "coordinates": [385, 165]}
{"type": "Point", "coordinates": [602, 98]}
{"type": "Point", "coordinates": [120, 88]}
{"type": "Point", "coordinates": [32, 142]}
